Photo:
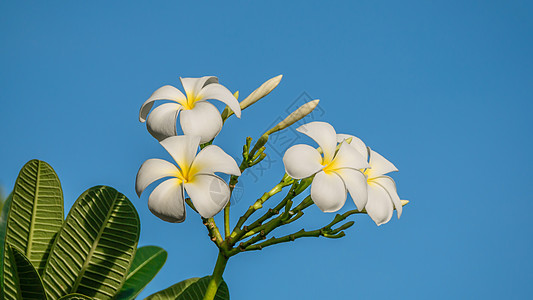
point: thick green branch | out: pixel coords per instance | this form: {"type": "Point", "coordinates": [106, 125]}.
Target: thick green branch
{"type": "Point", "coordinates": [216, 277]}
{"type": "Point", "coordinates": [214, 233]}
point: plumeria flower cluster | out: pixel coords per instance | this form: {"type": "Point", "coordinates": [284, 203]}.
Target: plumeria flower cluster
{"type": "Point", "coordinates": [194, 173]}
{"type": "Point", "coordinates": [341, 165]}
{"type": "Point", "coordinates": [344, 165]}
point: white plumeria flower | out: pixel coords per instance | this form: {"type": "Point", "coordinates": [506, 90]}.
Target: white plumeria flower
{"type": "Point", "coordinates": [380, 189]}
{"type": "Point", "coordinates": [195, 175]}
{"type": "Point", "coordinates": [335, 173]}
{"type": "Point", "coordinates": [198, 117]}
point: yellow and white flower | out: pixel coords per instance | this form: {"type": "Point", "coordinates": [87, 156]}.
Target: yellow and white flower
{"type": "Point", "coordinates": [380, 189]}
{"type": "Point", "coordinates": [195, 175]}
{"type": "Point", "coordinates": [335, 172]}
{"type": "Point", "coordinates": [197, 116]}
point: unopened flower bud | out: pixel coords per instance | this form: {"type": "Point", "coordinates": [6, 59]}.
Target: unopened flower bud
{"type": "Point", "coordinates": [261, 91]}
{"type": "Point", "coordinates": [295, 116]}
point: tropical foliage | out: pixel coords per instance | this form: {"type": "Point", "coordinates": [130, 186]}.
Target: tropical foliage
{"type": "Point", "coordinates": [92, 254]}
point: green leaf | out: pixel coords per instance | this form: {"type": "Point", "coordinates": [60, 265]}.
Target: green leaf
{"type": "Point", "coordinates": [173, 291]}
{"type": "Point", "coordinates": [75, 297]}
{"type": "Point", "coordinates": [2, 198]}
{"type": "Point", "coordinates": [31, 217]}
{"type": "Point", "coordinates": [146, 264]}
{"type": "Point", "coordinates": [36, 212]}
{"type": "Point", "coordinates": [94, 249]}
{"type": "Point", "coordinates": [3, 227]}
{"type": "Point", "coordinates": [197, 290]}
{"type": "Point", "coordinates": [190, 289]}
{"type": "Point", "coordinates": [29, 282]}
{"type": "Point", "coordinates": [11, 288]}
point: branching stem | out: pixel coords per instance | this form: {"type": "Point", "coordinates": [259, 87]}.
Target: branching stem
{"type": "Point", "coordinates": [238, 232]}
{"type": "Point", "coordinates": [325, 231]}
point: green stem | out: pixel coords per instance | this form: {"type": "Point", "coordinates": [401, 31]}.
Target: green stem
{"type": "Point", "coordinates": [237, 231]}
{"type": "Point", "coordinates": [325, 231]}
{"type": "Point", "coordinates": [233, 181]}
{"type": "Point", "coordinates": [216, 277]}
{"type": "Point", "coordinates": [294, 214]}
{"type": "Point", "coordinates": [214, 233]}
{"type": "Point", "coordinates": [272, 212]}
{"type": "Point", "coordinates": [226, 221]}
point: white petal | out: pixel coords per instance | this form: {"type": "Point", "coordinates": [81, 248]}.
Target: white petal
{"type": "Point", "coordinates": [389, 185]}
{"type": "Point", "coordinates": [152, 170]}
{"type": "Point", "coordinates": [182, 148]}
{"type": "Point", "coordinates": [212, 159]}
{"type": "Point", "coordinates": [219, 92]}
{"type": "Point", "coordinates": [192, 86]}
{"type": "Point", "coordinates": [161, 122]}
{"type": "Point", "coordinates": [166, 92]}
{"type": "Point", "coordinates": [328, 191]}
{"type": "Point", "coordinates": [208, 193]}
{"type": "Point", "coordinates": [348, 157]}
{"type": "Point", "coordinates": [356, 142]}
{"type": "Point", "coordinates": [166, 201]}
{"type": "Point", "coordinates": [379, 165]}
{"type": "Point", "coordinates": [302, 161]}
{"type": "Point", "coordinates": [379, 205]}
{"type": "Point", "coordinates": [203, 120]}
{"type": "Point", "coordinates": [355, 183]}
{"type": "Point", "coordinates": [324, 135]}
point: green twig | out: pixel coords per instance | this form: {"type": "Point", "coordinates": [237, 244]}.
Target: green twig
{"type": "Point", "coordinates": [274, 211]}
{"type": "Point", "coordinates": [227, 231]}
{"type": "Point", "coordinates": [293, 215]}
{"type": "Point", "coordinates": [270, 226]}
{"type": "Point", "coordinates": [297, 188]}
{"type": "Point", "coordinates": [238, 231]}
{"type": "Point", "coordinates": [325, 231]}
{"type": "Point", "coordinates": [226, 220]}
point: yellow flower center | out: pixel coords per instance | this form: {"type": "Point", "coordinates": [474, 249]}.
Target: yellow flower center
{"type": "Point", "coordinates": [180, 176]}
{"type": "Point", "coordinates": [329, 166]}
{"type": "Point", "coordinates": [186, 174]}
{"type": "Point", "coordinates": [328, 169]}
{"type": "Point", "coordinates": [190, 102]}
{"type": "Point", "coordinates": [366, 172]}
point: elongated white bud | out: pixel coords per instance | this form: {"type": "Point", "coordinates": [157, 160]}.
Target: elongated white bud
{"type": "Point", "coordinates": [261, 91]}
{"type": "Point", "coordinates": [295, 116]}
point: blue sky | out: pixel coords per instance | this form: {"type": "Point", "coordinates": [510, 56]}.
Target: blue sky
{"type": "Point", "coordinates": [443, 89]}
